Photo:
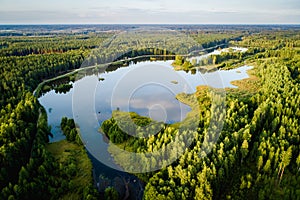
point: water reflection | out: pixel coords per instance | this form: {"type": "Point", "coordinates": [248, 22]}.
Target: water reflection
{"type": "Point", "coordinates": [148, 88]}
{"type": "Point", "coordinates": [165, 109]}
{"type": "Point", "coordinates": [152, 99]}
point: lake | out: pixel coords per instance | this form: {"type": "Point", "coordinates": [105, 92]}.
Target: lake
{"type": "Point", "coordinates": [147, 88]}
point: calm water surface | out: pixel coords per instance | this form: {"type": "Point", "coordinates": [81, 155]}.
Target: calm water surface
{"type": "Point", "coordinates": [148, 88]}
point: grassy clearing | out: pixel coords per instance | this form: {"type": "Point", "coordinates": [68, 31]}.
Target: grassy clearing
{"type": "Point", "coordinates": [246, 87]}
{"type": "Point", "coordinates": [64, 151]}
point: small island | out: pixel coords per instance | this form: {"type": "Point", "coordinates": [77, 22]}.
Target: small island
{"type": "Point", "coordinates": [227, 58]}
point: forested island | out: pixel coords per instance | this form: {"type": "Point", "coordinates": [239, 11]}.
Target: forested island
{"type": "Point", "coordinates": [257, 155]}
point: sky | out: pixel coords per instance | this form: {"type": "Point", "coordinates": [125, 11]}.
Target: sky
{"type": "Point", "coordinates": [149, 12]}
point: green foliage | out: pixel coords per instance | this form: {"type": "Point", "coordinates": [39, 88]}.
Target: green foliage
{"type": "Point", "coordinates": [63, 88]}
{"type": "Point", "coordinates": [27, 169]}
{"type": "Point", "coordinates": [118, 128]}
{"type": "Point", "coordinates": [257, 153]}
{"type": "Point", "coordinates": [111, 193]}
{"type": "Point", "coordinates": [75, 170]}
{"type": "Point", "coordinates": [69, 129]}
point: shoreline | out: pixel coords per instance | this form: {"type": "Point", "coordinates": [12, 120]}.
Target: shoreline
{"type": "Point", "coordinates": [38, 89]}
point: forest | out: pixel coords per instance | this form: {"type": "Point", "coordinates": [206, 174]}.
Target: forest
{"type": "Point", "coordinates": [256, 156]}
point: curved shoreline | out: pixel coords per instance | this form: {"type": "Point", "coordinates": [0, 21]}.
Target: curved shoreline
{"type": "Point", "coordinates": [37, 90]}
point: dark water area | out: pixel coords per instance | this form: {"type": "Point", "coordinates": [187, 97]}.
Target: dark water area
{"type": "Point", "coordinates": [105, 176]}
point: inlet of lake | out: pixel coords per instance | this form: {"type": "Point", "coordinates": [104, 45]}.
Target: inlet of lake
{"type": "Point", "coordinates": [147, 88]}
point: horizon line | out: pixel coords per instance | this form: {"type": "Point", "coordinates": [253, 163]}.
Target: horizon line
{"type": "Point", "coordinates": [2, 24]}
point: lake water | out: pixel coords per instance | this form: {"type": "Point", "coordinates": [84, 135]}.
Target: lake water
{"type": "Point", "coordinates": [148, 88]}
{"type": "Point", "coordinates": [218, 52]}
